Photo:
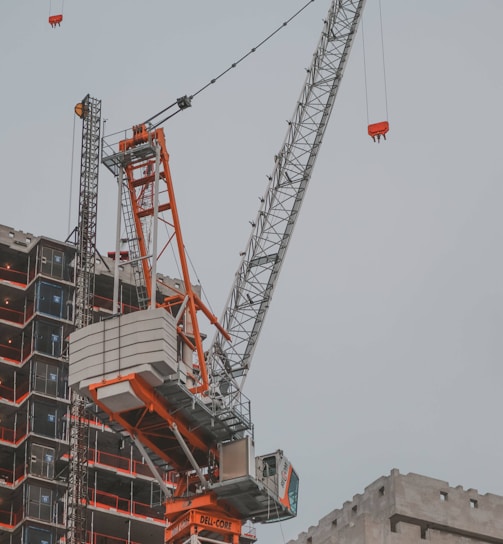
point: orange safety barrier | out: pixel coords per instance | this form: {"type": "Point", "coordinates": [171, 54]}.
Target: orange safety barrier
{"type": "Point", "coordinates": [16, 277]}
{"type": "Point", "coordinates": [8, 314]}
{"type": "Point", "coordinates": [11, 353]}
{"type": "Point", "coordinates": [14, 354]}
{"type": "Point", "coordinates": [124, 464]}
{"type": "Point", "coordinates": [108, 501]}
{"type": "Point", "coordinates": [13, 436]}
{"type": "Point", "coordinates": [12, 477]}
{"type": "Point", "coordinates": [107, 304]}
{"type": "Point", "coordinates": [14, 395]}
{"type": "Point", "coordinates": [10, 519]}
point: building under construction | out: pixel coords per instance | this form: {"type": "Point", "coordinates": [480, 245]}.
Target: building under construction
{"type": "Point", "coordinates": [37, 290]}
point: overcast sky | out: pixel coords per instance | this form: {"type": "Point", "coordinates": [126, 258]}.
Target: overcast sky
{"type": "Point", "coordinates": [383, 344]}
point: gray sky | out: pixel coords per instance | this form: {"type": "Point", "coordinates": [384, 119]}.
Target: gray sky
{"type": "Point", "coordinates": [383, 345]}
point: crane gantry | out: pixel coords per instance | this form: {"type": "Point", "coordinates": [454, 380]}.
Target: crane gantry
{"type": "Point", "coordinates": [148, 371]}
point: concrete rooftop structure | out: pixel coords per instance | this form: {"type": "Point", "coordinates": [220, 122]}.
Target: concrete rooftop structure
{"type": "Point", "coordinates": [409, 508]}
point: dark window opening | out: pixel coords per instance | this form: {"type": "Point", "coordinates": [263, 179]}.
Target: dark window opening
{"type": "Point", "coordinates": [48, 338]}
{"type": "Point", "coordinates": [39, 502]}
{"type": "Point", "coordinates": [50, 299]}
{"type": "Point", "coordinates": [52, 262]}
{"type": "Point", "coordinates": [35, 535]}
{"type": "Point", "coordinates": [269, 466]}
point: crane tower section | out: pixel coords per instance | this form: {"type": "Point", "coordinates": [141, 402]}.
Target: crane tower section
{"type": "Point", "coordinates": [89, 110]}
{"type": "Point", "coordinates": [256, 278]}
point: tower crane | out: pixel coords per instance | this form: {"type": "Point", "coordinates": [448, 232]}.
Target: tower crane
{"type": "Point", "coordinates": [148, 372]}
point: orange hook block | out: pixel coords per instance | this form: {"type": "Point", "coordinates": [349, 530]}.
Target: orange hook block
{"type": "Point", "coordinates": [55, 20]}
{"type": "Point", "coordinates": [376, 130]}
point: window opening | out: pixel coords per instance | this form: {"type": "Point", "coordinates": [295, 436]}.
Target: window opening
{"type": "Point", "coordinates": [36, 535]}
{"type": "Point", "coordinates": [47, 420]}
{"type": "Point", "coordinates": [42, 461]}
{"type": "Point", "coordinates": [52, 262]}
{"type": "Point", "coordinates": [39, 502]}
{"type": "Point", "coordinates": [50, 299]}
{"type": "Point", "coordinates": [269, 466]}
{"type": "Point", "coordinates": [46, 379]}
{"type": "Point", "coordinates": [293, 491]}
{"type": "Point", "coordinates": [48, 338]}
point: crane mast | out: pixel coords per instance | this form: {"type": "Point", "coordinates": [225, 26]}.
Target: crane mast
{"type": "Point", "coordinates": [89, 110]}
{"type": "Point", "coordinates": [182, 405]}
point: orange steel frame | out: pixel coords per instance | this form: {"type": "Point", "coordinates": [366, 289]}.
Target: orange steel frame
{"type": "Point", "coordinates": [196, 514]}
{"type": "Point", "coordinates": [190, 511]}
{"type": "Point", "coordinates": [150, 432]}
{"type": "Point", "coordinates": [138, 188]}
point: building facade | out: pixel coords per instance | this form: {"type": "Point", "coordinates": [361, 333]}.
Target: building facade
{"type": "Point", "coordinates": [411, 509]}
{"type": "Point", "coordinates": [37, 293]}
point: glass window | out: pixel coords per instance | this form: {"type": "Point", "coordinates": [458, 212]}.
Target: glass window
{"type": "Point", "coordinates": [293, 492]}
{"type": "Point", "coordinates": [39, 502]}
{"type": "Point", "coordinates": [48, 420]}
{"type": "Point", "coordinates": [48, 338]}
{"type": "Point", "coordinates": [35, 535]}
{"type": "Point", "coordinates": [269, 466]}
{"type": "Point", "coordinates": [50, 299]}
{"type": "Point", "coordinates": [42, 461]}
{"type": "Point", "coordinates": [49, 379]}
{"type": "Point", "coordinates": [52, 262]}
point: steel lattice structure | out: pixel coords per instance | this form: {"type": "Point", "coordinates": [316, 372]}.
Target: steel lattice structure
{"type": "Point", "coordinates": [90, 112]}
{"type": "Point", "coordinates": [259, 268]}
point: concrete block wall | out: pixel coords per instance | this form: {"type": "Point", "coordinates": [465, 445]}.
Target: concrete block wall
{"type": "Point", "coordinates": [410, 508]}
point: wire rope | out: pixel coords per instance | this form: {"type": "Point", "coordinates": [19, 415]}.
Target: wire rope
{"type": "Point", "coordinates": [206, 86]}
{"type": "Point", "coordinates": [383, 61]}
{"type": "Point", "coordinates": [233, 65]}
{"type": "Point", "coordinates": [203, 292]}
{"type": "Point", "coordinates": [385, 85]}
{"type": "Point", "coordinates": [365, 73]}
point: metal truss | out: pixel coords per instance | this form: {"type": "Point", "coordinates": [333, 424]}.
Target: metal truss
{"type": "Point", "coordinates": [255, 280]}
{"type": "Point", "coordinates": [90, 112]}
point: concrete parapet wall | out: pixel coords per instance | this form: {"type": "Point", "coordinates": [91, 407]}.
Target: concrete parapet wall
{"type": "Point", "coordinates": [410, 508]}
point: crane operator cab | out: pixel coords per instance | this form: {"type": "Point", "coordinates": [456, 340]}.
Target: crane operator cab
{"type": "Point", "coordinates": [264, 488]}
{"type": "Point", "coordinates": [277, 474]}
